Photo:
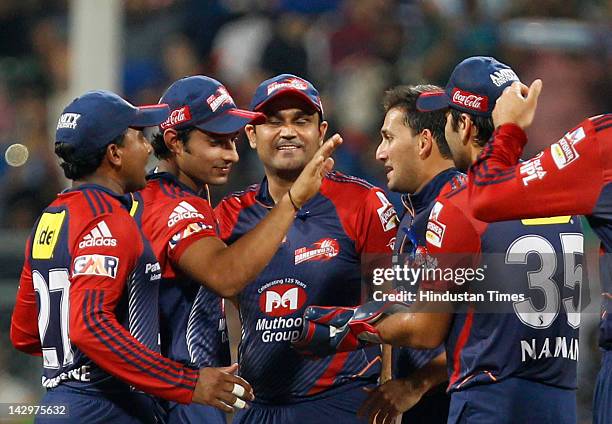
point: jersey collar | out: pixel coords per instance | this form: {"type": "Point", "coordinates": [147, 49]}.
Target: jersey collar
{"type": "Point", "coordinates": [172, 179]}
{"type": "Point", "coordinates": [124, 199]}
{"type": "Point", "coordinates": [423, 198]}
{"type": "Point", "coordinates": [263, 195]}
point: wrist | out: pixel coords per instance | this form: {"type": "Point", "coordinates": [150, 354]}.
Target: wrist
{"type": "Point", "coordinates": [297, 205]}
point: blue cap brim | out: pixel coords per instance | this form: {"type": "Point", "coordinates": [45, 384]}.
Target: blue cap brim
{"type": "Point", "coordinates": [432, 100]}
{"type": "Point", "coordinates": [150, 116]}
{"type": "Point", "coordinates": [231, 121]}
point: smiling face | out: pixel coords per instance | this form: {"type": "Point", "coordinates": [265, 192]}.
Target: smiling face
{"type": "Point", "coordinates": [207, 158]}
{"type": "Point", "coordinates": [398, 151]}
{"type": "Point", "coordinates": [289, 138]}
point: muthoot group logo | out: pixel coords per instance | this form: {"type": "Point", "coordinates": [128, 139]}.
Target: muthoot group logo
{"type": "Point", "coordinates": [283, 299]}
{"type": "Point", "coordinates": [277, 300]}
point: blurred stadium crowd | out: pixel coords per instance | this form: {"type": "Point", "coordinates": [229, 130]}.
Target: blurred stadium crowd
{"type": "Point", "coordinates": [352, 50]}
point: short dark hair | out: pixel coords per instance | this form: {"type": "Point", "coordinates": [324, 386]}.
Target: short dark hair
{"type": "Point", "coordinates": [160, 149]}
{"type": "Point", "coordinates": [404, 97]}
{"type": "Point", "coordinates": [484, 125]}
{"type": "Point", "coordinates": [76, 166]}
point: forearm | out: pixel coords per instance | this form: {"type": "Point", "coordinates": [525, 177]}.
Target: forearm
{"type": "Point", "coordinates": [418, 330]}
{"type": "Point", "coordinates": [431, 375]}
{"type": "Point", "coordinates": [387, 363]}
{"type": "Point", "coordinates": [96, 332]}
{"type": "Point", "coordinates": [497, 180]}
{"type": "Point", "coordinates": [234, 267]}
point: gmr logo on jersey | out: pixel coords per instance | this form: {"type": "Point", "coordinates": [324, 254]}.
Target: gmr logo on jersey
{"type": "Point", "coordinates": [188, 231]}
{"type": "Point", "coordinates": [99, 236]}
{"type": "Point", "coordinates": [282, 299]}
{"type": "Point", "coordinates": [105, 266]}
{"type": "Point", "coordinates": [183, 211]}
{"type": "Point", "coordinates": [322, 250]}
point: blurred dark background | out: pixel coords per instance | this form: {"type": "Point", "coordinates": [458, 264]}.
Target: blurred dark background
{"type": "Point", "coordinates": [352, 50]}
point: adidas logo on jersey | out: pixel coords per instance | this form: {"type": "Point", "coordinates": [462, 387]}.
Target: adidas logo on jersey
{"type": "Point", "coordinates": [183, 211]}
{"type": "Point", "coordinates": [99, 236]}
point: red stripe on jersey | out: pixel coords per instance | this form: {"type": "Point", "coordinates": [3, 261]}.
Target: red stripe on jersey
{"type": "Point", "coordinates": [461, 342]}
{"type": "Point", "coordinates": [101, 329]}
{"type": "Point", "coordinates": [330, 374]}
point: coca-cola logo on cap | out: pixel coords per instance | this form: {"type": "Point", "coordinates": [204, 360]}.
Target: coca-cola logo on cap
{"type": "Point", "coordinates": [470, 100]}
{"type": "Point", "coordinates": [177, 116]}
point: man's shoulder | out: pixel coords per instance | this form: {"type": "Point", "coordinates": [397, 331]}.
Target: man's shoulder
{"type": "Point", "coordinates": [162, 201]}
{"type": "Point", "coordinates": [240, 199]}
{"type": "Point", "coordinates": [337, 181]}
{"type": "Point", "coordinates": [349, 191]}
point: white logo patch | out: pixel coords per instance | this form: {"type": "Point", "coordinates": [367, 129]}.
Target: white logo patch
{"type": "Point", "coordinates": [435, 229]}
{"type": "Point", "coordinates": [221, 97]}
{"type": "Point", "coordinates": [386, 213]}
{"type": "Point", "coordinates": [100, 235]}
{"type": "Point", "coordinates": [503, 76]}
{"type": "Point", "coordinates": [68, 120]}
{"type": "Point", "coordinates": [183, 211]}
{"type": "Point", "coordinates": [101, 265]}
{"type": "Point", "coordinates": [289, 83]}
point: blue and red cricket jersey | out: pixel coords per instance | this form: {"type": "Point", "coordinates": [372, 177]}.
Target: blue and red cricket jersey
{"type": "Point", "coordinates": [410, 249]}
{"type": "Point", "coordinates": [573, 176]}
{"type": "Point", "coordinates": [92, 280]}
{"type": "Point", "coordinates": [192, 318]}
{"type": "Point", "coordinates": [534, 338]}
{"type": "Point", "coordinates": [319, 263]}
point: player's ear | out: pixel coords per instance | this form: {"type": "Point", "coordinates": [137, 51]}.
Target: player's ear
{"type": "Point", "coordinates": [322, 130]}
{"type": "Point", "coordinates": [466, 128]}
{"type": "Point", "coordinates": [249, 130]}
{"type": "Point", "coordinates": [424, 144]}
{"type": "Point", "coordinates": [114, 154]}
{"type": "Point", "coordinates": [173, 143]}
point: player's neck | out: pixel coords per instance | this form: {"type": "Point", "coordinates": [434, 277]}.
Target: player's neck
{"type": "Point", "coordinates": [102, 180]}
{"type": "Point", "coordinates": [432, 169]}
{"type": "Point", "coordinates": [172, 168]}
{"type": "Point", "coordinates": [475, 151]}
{"type": "Point", "coordinates": [278, 186]}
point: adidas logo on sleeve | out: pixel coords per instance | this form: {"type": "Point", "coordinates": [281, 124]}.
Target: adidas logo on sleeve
{"type": "Point", "coordinates": [183, 211]}
{"type": "Point", "coordinates": [100, 235]}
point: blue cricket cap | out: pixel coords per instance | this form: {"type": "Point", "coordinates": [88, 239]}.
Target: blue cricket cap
{"type": "Point", "coordinates": [204, 103]}
{"type": "Point", "coordinates": [286, 84]}
{"type": "Point", "coordinates": [473, 87]}
{"type": "Point", "coordinates": [91, 121]}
